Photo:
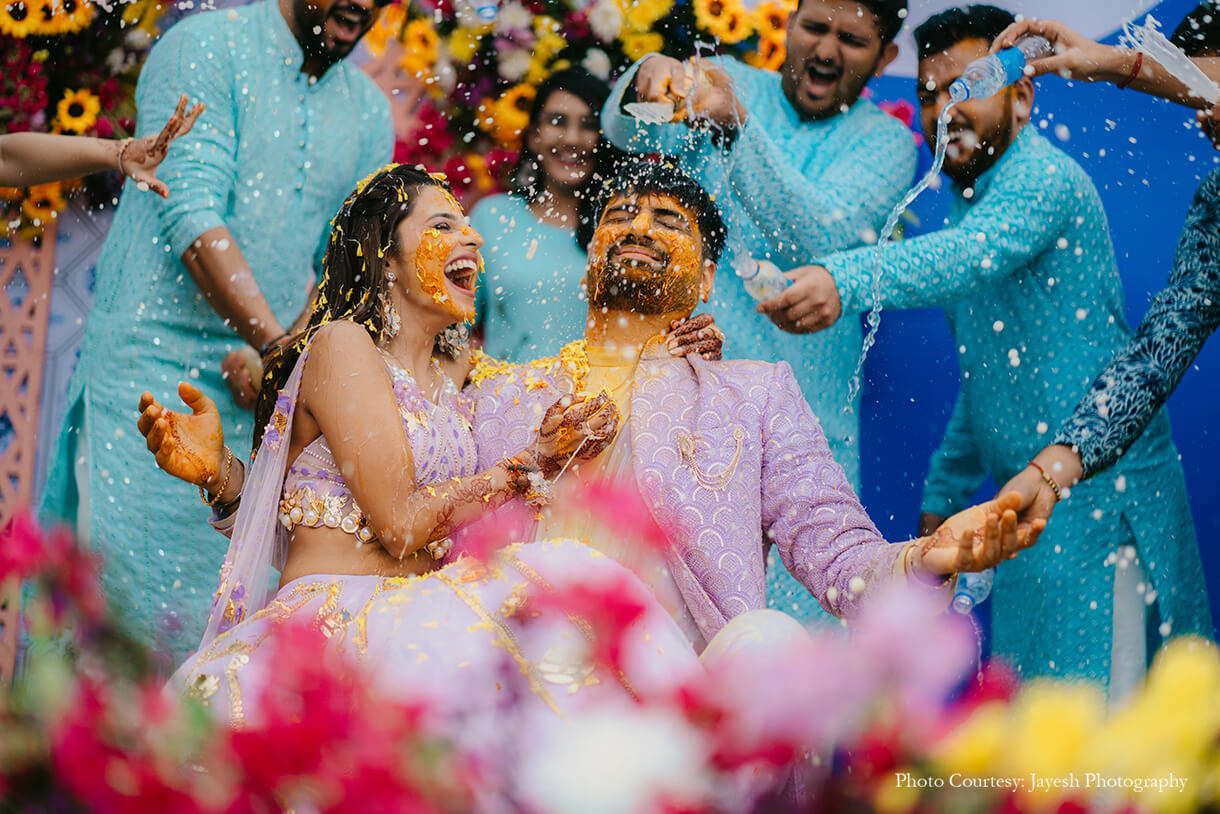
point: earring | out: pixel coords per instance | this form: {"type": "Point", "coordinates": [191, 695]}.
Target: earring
{"type": "Point", "coordinates": [390, 321]}
{"type": "Point", "coordinates": [390, 276]}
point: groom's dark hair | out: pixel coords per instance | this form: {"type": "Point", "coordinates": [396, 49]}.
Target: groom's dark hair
{"type": "Point", "coordinates": [639, 176]}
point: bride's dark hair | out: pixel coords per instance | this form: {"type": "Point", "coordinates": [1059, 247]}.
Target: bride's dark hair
{"type": "Point", "coordinates": [362, 236]}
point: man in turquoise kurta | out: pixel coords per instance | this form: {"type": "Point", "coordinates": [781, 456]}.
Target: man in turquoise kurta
{"type": "Point", "coordinates": [1026, 272]}
{"type": "Point", "coordinates": [802, 166]}
{"type": "Point", "coordinates": [289, 129]}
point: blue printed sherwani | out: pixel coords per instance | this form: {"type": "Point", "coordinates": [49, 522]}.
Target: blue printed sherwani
{"type": "Point", "coordinates": [1026, 273]}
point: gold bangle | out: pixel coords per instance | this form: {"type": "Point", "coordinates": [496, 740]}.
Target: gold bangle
{"type": "Point", "coordinates": [224, 484]}
{"type": "Point", "coordinates": [1049, 480]}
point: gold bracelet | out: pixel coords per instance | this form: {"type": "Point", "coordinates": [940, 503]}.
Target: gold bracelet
{"type": "Point", "coordinates": [1049, 480]}
{"type": "Point", "coordinates": [224, 484]}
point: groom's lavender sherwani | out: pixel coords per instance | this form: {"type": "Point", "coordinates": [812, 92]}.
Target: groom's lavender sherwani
{"type": "Point", "coordinates": [728, 455]}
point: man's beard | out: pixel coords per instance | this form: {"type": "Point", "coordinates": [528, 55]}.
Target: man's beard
{"type": "Point", "coordinates": [309, 18]}
{"type": "Point", "coordinates": [628, 287]}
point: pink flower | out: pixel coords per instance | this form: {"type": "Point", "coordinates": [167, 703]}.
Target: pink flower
{"type": "Point", "coordinates": [609, 603]}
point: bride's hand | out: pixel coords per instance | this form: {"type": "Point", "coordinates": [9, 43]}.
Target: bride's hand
{"type": "Point", "coordinates": [976, 539]}
{"type": "Point", "coordinates": [188, 446]}
{"type": "Point", "coordinates": [576, 428]}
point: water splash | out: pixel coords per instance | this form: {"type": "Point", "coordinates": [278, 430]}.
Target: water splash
{"type": "Point", "coordinates": [873, 319]}
{"type": "Point", "coordinates": [1149, 40]}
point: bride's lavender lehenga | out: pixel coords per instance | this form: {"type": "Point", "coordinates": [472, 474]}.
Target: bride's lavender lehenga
{"type": "Point", "coordinates": [451, 637]}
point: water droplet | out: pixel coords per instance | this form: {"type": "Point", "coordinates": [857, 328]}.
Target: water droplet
{"type": "Point", "coordinates": [997, 326]}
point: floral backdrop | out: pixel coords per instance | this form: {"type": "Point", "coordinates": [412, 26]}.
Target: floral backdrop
{"type": "Point", "coordinates": [70, 66]}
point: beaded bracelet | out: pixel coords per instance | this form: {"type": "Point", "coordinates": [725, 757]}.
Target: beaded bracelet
{"type": "Point", "coordinates": [1049, 480]}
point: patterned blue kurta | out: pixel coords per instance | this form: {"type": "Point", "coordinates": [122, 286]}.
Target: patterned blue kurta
{"type": "Point", "coordinates": [271, 158]}
{"type": "Point", "coordinates": [1126, 396]}
{"type": "Point", "coordinates": [790, 190]}
{"type": "Point", "coordinates": [1026, 273]}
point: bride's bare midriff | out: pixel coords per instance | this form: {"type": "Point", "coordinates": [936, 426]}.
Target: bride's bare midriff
{"type": "Point", "coordinates": [332, 551]}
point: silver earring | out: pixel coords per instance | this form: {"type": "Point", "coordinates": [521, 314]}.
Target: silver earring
{"type": "Point", "coordinates": [390, 321]}
{"type": "Point", "coordinates": [390, 276]}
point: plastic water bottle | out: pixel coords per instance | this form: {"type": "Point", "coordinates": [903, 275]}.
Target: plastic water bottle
{"type": "Point", "coordinates": [486, 10]}
{"type": "Point", "coordinates": [987, 75]}
{"type": "Point", "coordinates": [762, 278]}
{"type": "Point", "coordinates": [972, 589]}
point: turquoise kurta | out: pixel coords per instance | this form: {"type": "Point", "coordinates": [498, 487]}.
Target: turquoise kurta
{"type": "Point", "coordinates": [790, 190]}
{"type": "Point", "coordinates": [1027, 275]}
{"type": "Point", "coordinates": [271, 158]}
{"type": "Point", "coordinates": [530, 300]}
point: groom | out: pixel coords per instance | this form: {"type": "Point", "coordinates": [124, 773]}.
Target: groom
{"type": "Point", "coordinates": [727, 455]}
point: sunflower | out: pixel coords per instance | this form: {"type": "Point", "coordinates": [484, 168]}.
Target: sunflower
{"type": "Point", "coordinates": [11, 194]}
{"type": "Point", "coordinates": [641, 14]}
{"type": "Point", "coordinates": [727, 20]}
{"type": "Point", "coordinates": [771, 17]}
{"type": "Point", "coordinates": [636, 45]}
{"type": "Point", "coordinates": [388, 25]}
{"type": "Point", "coordinates": [78, 110]}
{"type": "Point", "coordinates": [44, 22]}
{"type": "Point", "coordinates": [464, 42]}
{"type": "Point", "coordinates": [770, 53]}
{"type": "Point", "coordinates": [44, 203]}
{"type": "Point", "coordinates": [508, 116]}
{"type": "Point", "coordinates": [17, 19]}
{"type": "Point", "coordinates": [72, 15]}
{"type": "Point", "coordinates": [420, 40]}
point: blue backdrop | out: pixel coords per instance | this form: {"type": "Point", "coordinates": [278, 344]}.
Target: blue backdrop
{"type": "Point", "coordinates": [1146, 157]}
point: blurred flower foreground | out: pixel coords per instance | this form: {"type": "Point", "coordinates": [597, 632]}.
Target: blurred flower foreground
{"type": "Point", "coordinates": [887, 718]}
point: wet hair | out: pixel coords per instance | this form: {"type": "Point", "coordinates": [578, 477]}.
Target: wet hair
{"type": "Point", "coordinates": [639, 176]}
{"type": "Point", "coordinates": [363, 235]}
{"type": "Point", "coordinates": [940, 32]}
{"type": "Point", "coordinates": [1199, 32]}
{"type": "Point", "coordinates": [890, 14]}
{"type": "Point", "coordinates": [594, 93]}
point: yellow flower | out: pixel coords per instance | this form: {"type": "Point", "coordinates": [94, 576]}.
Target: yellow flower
{"type": "Point", "coordinates": [636, 45]}
{"type": "Point", "coordinates": [641, 14]}
{"type": "Point", "coordinates": [78, 110]}
{"type": "Point", "coordinates": [1051, 725]}
{"type": "Point", "coordinates": [72, 15]}
{"type": "Point", "coordinates": [18, 20]}
{"type": "Point", "coordinates": [44, 203]}
{"type": "Point", "coordinates": [975, 746]}
{"type": "Point", "coordinates": [420, 40]}
{"type": "Point", "coordinates": [727, 20]}
{"type": "Point", "coordinates": [770, 54]}
{"type": "Point", "coordinates": [11, 194]}
{"type": "Point", "coordinates": [506, 117]}
{"type": "Point", "coordinates": [144, 14]}
{"type": "Point", "coordinates": [387, 27]}
{"type": "Point", "coordinates": [770, 17]}
{"type": "Point", "coordinates": [463, 43]}
{"type": "Point", "coordinates": [894, 797]}
{"type": "Point", "coordinates": [546, 46]}
{"type": "Point", "coordinates": [478, 170]}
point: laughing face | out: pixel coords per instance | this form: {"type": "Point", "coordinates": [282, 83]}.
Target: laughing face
{"type": "Point", "coordinates": [329, 29]}
{"type": "Point", "coordinates": [438, 263]}
{"type": "Point", "coordinates": [647, 257]}
{"type": "Point", "coordinates": [980, 130]}
{"type": "Point", "coordinates": [833, 48]}
{"type": "Point", "coordinates": [565, 140]}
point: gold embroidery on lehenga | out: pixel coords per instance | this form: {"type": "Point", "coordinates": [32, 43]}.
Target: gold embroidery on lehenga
{"type": "Point", "coordinates": [579, 622]}
{"type": "Point", "coordinates": [507, 639]}
{"type": "Point", "coordinates": [708, 480]}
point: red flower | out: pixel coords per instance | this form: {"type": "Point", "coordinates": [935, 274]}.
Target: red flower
{"type": "Point", "coordinates": [103, 128]}
{"type": "Point", "coordinates": [610, 604]}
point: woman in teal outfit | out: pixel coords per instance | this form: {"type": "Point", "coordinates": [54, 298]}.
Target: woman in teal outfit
{"type": "Point", "coordinates": [530, 301]}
